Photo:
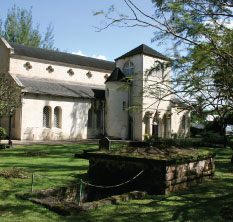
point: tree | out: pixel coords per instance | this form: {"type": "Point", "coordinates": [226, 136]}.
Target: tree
{"type": "Point", "coordinates": [202, 57]}
{"type": "Point", "coordinates": [10, 96]}
{"type": "Point", "coordinates": [18, 27]}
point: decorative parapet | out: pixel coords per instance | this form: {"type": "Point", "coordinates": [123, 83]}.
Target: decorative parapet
{"type": "Point", "coordinates": [50, 69]}
{"type": "Point", "coordinates": [89, 74]}
{"type": "Point", "coordinates": [70, 72]}
{"type": "Point", "coordinates": [28, 65]}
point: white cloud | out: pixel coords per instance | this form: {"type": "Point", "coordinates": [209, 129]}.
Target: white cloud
{"type": "Point", "coordinates": [93, 56]}
{"type": "Point", "coordinates": [79, 53]}
{"type": "Point", "coordinates": [99, 57]}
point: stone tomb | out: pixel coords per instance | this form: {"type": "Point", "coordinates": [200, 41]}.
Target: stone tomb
{"type": "Point", "coordinates": [163, 171]}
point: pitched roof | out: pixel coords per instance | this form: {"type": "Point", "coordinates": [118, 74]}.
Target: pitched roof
{"type": "Point", "coordinates": [60, 88]}
{"type": "Point", "coordinates": [116, 75]}
{"type": "Point", "coordinates": [143, 49]}
{"type": "Point", "coordinates": [57, 56]}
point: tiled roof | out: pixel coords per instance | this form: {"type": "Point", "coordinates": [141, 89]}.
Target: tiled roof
{"type": "Point", "coordinates": [60, 88]}
{"type": "Point", "coordinates": [116, 75]}
{"type": "Point", "coordinates": [63, 57]}
{"type": "Point", "coordinates": [143, 49]}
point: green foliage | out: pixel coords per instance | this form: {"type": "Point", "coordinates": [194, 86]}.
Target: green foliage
{"type": "Point", "coordinates": [3, 133]}
{"type": "Point", "coordinates": [18, 27]}
{"type": "Point", "coordinates": [202, 54]}
{"type": "Point", "coordinates": [207, 139]}
{"type": "Point", "coordinates": [10, 95]}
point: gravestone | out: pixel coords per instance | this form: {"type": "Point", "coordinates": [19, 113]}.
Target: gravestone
{"type": "Point", "coordinates": [104, 144]}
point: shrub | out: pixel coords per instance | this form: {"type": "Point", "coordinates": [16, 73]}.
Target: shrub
{"type": "Point", "coordinates": [185, 142]}
{"type": "Point", "coordinates": [214, 140]}
{"type": "Point", "coordinates": [3, 133]}
{"type": "Point", "coordinates": [195, 131]}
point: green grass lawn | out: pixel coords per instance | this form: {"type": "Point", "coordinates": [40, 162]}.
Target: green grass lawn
{"type": "Point", "coordinates": [57, 165]}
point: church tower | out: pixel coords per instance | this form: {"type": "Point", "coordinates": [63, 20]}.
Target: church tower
{"type": "Point", "coordinates": [142, 107]}
{"type": "Point", "coordinates": [116, 117]}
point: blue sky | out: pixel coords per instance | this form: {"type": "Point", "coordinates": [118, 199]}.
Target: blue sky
{"type": "Point", "coordinates": [74, 23]}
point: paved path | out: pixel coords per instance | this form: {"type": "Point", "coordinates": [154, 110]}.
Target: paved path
{"type": "Point", "coordinates": [51, 142]}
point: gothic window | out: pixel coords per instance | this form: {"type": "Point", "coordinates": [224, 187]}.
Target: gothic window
{"type": "Point", "coordinates": [90, 119]}
{"type": "Point", "coordinates": [128, 68]}
{"type": "Point", "coordinates": [46, 116]}
{"type": "Point", "coordinates": [98, 119]}
{"type": "Point", "coordinates": [183, 122]}
{"type": "Point", "coordinates": [123, 105]}
{"type": "Point", "coordinates": [57, 117]}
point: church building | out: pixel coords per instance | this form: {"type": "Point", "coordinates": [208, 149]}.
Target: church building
{"type": "Point", "coordinates": [71, 97]}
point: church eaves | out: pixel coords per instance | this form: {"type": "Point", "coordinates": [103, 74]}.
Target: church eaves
{"type": "Point", "coordinates": [143, 49]}
{"type": "Point", "coordinates": [60, 88]}
{"type": "Point", "coordinates": [63, 57]}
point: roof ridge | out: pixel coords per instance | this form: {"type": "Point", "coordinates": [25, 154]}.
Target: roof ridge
{"type": "Point", "coordinates": [64, 57]}
{"type": "Point", "coordinates": [57, 51]}
{"type": "Point", "coordinates": [143, 49]}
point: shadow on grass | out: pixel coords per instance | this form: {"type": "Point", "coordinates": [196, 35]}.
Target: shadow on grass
{"type": "Point", "coordinates": [200, 203]}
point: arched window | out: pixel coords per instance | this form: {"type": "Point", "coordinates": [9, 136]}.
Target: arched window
{"type": "Point", "coordinates": [47, 117]}
{"type": "Point", "coordinates": [90, 119]}
{"type": "Point", "coordinates": [98, 119]}
{"type": "Point", "coordinates": [155, 127]}
{"type": "Point", "coordinates": [57, 117]}
{"type": "Point", "coordinates": [183, 122]}
{"type": "Point", "coordinates": [128, 68]}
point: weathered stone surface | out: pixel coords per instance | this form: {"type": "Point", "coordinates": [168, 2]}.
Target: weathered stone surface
{"type": "Point", "coordinates": [105, 144]}
{"type": "Point", "coordinates": [61, 205]}
{"type": "Point", "coordinates": [159, 172]}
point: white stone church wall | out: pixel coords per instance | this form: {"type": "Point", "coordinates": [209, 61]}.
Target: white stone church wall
{"type": "Point", "coordinates": [73, 120]}
{"type": "Point", "coordinates": [116, 121]}
{"type": "Point", "coordinates": [150, 102]}
{"type": "Point", "coordinates": [176, 123]}
{"type": "Point", "coordinates": [39, 66]}
{"type": "Point", "coordinates": [135, 98]}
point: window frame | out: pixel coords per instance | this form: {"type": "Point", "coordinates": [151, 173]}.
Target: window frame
{"type": "Point", "coordinates": [57, 117]}
{"type": "Point", "coordinates": [130, 67]}
{"type": "Point", "coordinates": [47, 123]}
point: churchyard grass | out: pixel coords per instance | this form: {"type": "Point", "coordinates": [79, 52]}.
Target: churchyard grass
{"type": "Point", "coordinates": [57, 165]}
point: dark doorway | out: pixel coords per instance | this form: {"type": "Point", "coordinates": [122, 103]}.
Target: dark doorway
{"type": "Point", "coordinates": [155, 128]}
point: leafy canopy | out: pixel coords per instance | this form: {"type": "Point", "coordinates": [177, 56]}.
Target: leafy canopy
{"type": "Point", "coordinates": [18, 27]}
{"type": "Point", "coordinates": [202, 56]}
